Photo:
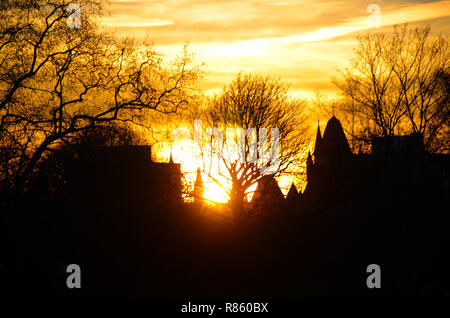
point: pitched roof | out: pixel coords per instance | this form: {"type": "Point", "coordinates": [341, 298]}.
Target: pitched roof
{"type": "Point", "coordinates": [334, 143]}
{"type": "Point", "coordinates": [267, 190]}
{"type": "Point", "coordinates": [292, 193]}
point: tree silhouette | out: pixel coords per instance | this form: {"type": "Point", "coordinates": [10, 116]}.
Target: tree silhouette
{"type": "Point", "coordinates": [57, 81]}
{"type": "Point", "coordinates": [255, 102]}
{"type": "Point", "coordinates": [398, 83]}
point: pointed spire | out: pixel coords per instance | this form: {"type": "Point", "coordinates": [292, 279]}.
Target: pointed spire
{"type": "Point", "coordinates": [198, 177]}
{"type": "Point", "coordinates": [318, 143]}
{"type": "Point", "coordinates": [292, 193]}
{"type": "Point", "coordinates": [171, 157]}
{"type": "Point", "coordinates": [198, 187]}
{"type": "Point", "coordinates": [293, 197]}
{"type": "Point", "coordinates": [334, 142]}
{"type": "Point", "coordinates": [309, 161]}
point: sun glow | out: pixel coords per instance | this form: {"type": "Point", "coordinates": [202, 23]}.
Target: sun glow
{"type": "Point", "coordinates": [215, 193]}
{"type": "Point", "coordinates": [185, 153]}
{"type": "Point", "coordinates": [215, 178]}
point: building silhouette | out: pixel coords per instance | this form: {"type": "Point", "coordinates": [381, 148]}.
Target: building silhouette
{"type": "Point", "coordinates": [268, 198]}
{"type": "Point", "coordinates": [124, 176]}
{"type": "Point", "coordinates": [328, 173]}
{"type": "Point", "coordinates": [293, 197]}
{"type": "Point", "coordinates": [397, 167]}
{"type": "Point", "coordinates": [391, 202]}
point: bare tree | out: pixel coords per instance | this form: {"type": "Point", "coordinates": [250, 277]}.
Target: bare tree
{"type": "Point", "coordinates": [56, 81]}
{"type": "Point", "coordinates": [251, 104]}
{"type": "Point", "coordinates": [397, 84]}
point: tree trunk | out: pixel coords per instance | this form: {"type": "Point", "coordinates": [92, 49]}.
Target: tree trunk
{"type": "Point", "coordinates": [237, 201]}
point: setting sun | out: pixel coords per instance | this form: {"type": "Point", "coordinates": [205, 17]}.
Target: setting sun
{"type": "Point", "coordinates": [215, 193]}
{"type": "Point", "coordinates": [183, 152]}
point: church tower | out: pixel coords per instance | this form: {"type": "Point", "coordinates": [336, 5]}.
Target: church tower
{"type": "Point", "coordinates": [328, 168]}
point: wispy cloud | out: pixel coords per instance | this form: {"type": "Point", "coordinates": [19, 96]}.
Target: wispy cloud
{"type": "Point", "coordinates": [303, 41]}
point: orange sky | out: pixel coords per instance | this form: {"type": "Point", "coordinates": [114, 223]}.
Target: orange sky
{"type": "Point", "coordinates": [302, 41]}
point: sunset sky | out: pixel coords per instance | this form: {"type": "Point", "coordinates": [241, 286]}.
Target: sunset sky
{"type": "Point", "coordinates": [303, 42]}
